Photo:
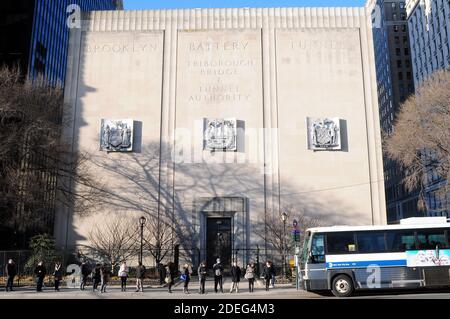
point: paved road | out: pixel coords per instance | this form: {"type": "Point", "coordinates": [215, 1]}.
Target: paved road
{"type": "Point", "coordinates": [280, 292]}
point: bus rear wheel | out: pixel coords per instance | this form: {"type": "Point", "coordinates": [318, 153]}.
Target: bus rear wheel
{"type": "Point", "coordinates": [342, 286]}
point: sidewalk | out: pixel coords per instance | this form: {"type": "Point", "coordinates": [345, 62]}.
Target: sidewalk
{"type": "Point", "coordinates": [281, 291]}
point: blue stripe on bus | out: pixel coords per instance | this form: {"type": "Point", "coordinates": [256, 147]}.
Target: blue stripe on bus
{"type": "Point", "coordinates": [353, 264]}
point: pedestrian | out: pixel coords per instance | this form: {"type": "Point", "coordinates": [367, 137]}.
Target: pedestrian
{"type": "Point", "coordinates": [202, 273]}
{"type": "Point", "coordinates": [123, 274]}
{"type": "Point", "coordinates": [218, 275]}
{"type": "Point", "coordinates": [57, 275]}
{"type": "Point", "coordinates": [85, 271]}
{"type": "Point", "coordinates": [235, 277]}
{"type": "Point", "coordinates": [140, 275]}
{"type": "Point", "coordinates": [170, 275]}
{"type": "Point", "coordinates": [187, 271]}
{"type": "Point", "coordinates": [40, 273]}
{"type": "Point", "coordinates": [267, 274]}
{"type": "Point", "coordinates": [10, 272]}
{"type": "Point", "coordinates": [250, 276]}
{"type": "Point", "coordinates": [96, 276]}
{"type": "Point", "coordinates": [162, 273]}
{"type": "Point", "coordinates": [105, 273]}
{"type": "Point", "coordinates": [272, 275]}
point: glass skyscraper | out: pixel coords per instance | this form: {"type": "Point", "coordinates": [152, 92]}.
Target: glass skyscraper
{"type": "Point", "coordinates": [394, 84]}
{"type": "Point", "coordinates": [35, 34]}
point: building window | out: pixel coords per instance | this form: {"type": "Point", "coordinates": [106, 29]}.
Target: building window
{"type": "Point", "coordinates": [400, 76]}
{"type": "Point", "coordinates": [395, 28]}
{"type": "Point", "coordinates": [397, 52]}
{"type": "Point", "coordinates": [405, 40]}
{"type": "Point", "coordinates": [406, 51]}
{"type": "Point", "coordinates": [399, 63]}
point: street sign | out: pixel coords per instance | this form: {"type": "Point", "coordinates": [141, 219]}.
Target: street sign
{"type": "Point", "coordinates": [295, 235]}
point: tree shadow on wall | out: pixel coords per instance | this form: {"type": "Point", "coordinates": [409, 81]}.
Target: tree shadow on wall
{"type": "Point", "coordinates": [134, 183]}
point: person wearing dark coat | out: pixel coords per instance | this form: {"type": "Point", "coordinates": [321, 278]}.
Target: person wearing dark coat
{"type": "Point", "coordinates": [273, 274]}
{"type": "Point", "coordinates": [268, 272]}
{"type": "Point", "coordinates": [235, 277]}
{"type": "Point", "coordinates": [85, 271]}
{"type": "Point", "coordinates": [171, 274]}
{"type": "Point", "coordinates": [202, 273]}
{"type": "Point", "coordinates": [140, 275]}
{"type": "Point", "coordinates": [187, 277]}
{"type": "Point", "coordinates": [57, 275]}
{"type": "Point", "coordinates": [40, 271]}
{"type": "Point", "coordinates": [105, 274]}
{"type": "Point", "coordinates": [162, 273]}
{"type": "Point", "coordinates": [96, 277]}
{"type": "Point", "coordinates": [10, 272]}
{"type": "Point", "coordinates": [218, 275]}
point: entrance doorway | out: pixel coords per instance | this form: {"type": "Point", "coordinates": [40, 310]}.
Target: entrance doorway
{"type": "Point", "coordinates": [219, 241]}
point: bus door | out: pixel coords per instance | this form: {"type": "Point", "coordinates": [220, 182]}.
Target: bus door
{"type": "Point", "coordinates": [316, 266]}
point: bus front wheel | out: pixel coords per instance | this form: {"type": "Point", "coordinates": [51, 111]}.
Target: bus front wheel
{"type": "Point", "coordinates": [342, 286]}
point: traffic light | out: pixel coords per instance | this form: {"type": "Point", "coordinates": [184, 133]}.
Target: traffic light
{"type": "Point", "coordinates": [296, 235]}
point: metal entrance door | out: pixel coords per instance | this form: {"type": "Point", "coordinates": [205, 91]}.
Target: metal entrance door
{"type": "Point", "coordinates": [218, 241]}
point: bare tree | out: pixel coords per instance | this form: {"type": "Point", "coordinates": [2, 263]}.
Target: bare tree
{"type": "Point", "coordinates": [114, 240]}
{"type": "Point", "coordinates": [280, 238]}
{"type": "Point", "coordinates": [35, 165]}
{"type": "Point", "coordinates": [420, 141]}
{"type": "Point", "coordinates": [158, 237]}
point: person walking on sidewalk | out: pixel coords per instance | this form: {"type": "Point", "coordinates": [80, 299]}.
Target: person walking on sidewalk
{"type": "Point", "coordinates": [105, 274]}
{"type": "Point", "coordinates": [162, 273]}
{"type": "Point", "coordinates": [272, 275]}
{"type": "Point", "coordinates": [267, 274]}
{"type": "Point", "coordinates": [40, 271]}
{"type": "Point", "coordinates": [123, 274]}
{"type": "Point", "coordinates": [10, 272]}
{"type": "Point", "coordinates": [96, 277]}
{"type": "Point", "coordinates": [235, 277]}
{"type": "Point", "coordinates": [202, 273]}
{"type": "Point", "coordinates": [250, 276]}
{"type": "Point", "coordinates": [85, 271]}
{"type": "Point", "coordinates": [170, 275]}
{"type": "Point", "coordinates": [140, 275]}
{"type": "Point", "coordinates": [186, 277]}
{"type": "Point", "coordinates": [218, 275]}
{"type": "Point", "coordinates": [57, 275]}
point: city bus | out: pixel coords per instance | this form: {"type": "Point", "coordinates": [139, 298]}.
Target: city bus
{"type": "Point", "coordinates": [342, 259]}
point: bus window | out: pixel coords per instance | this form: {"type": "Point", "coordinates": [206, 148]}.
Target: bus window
{"type": "Point", "coordinates": [371, 242]}
{"type": "Point", "coordinates": [318, 249]}
{"type": "Point", "coordinates": [430, 239]}
{"type": "Point", "coordinates": [400, 241]}
{"type": "Point", "coordinates": [341, 243]}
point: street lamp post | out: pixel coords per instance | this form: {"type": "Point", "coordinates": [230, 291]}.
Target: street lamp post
{"type": "Point", "coordinates": [142, 221]}
{"type": "Point", "coordinates": [284, 217]}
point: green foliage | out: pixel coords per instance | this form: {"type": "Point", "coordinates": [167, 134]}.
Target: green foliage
{"type": "Point", "coordinates": [43, 249]}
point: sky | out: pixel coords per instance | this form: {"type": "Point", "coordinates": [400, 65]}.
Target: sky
{"type": "Point", "coordinates": [181, 4]}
